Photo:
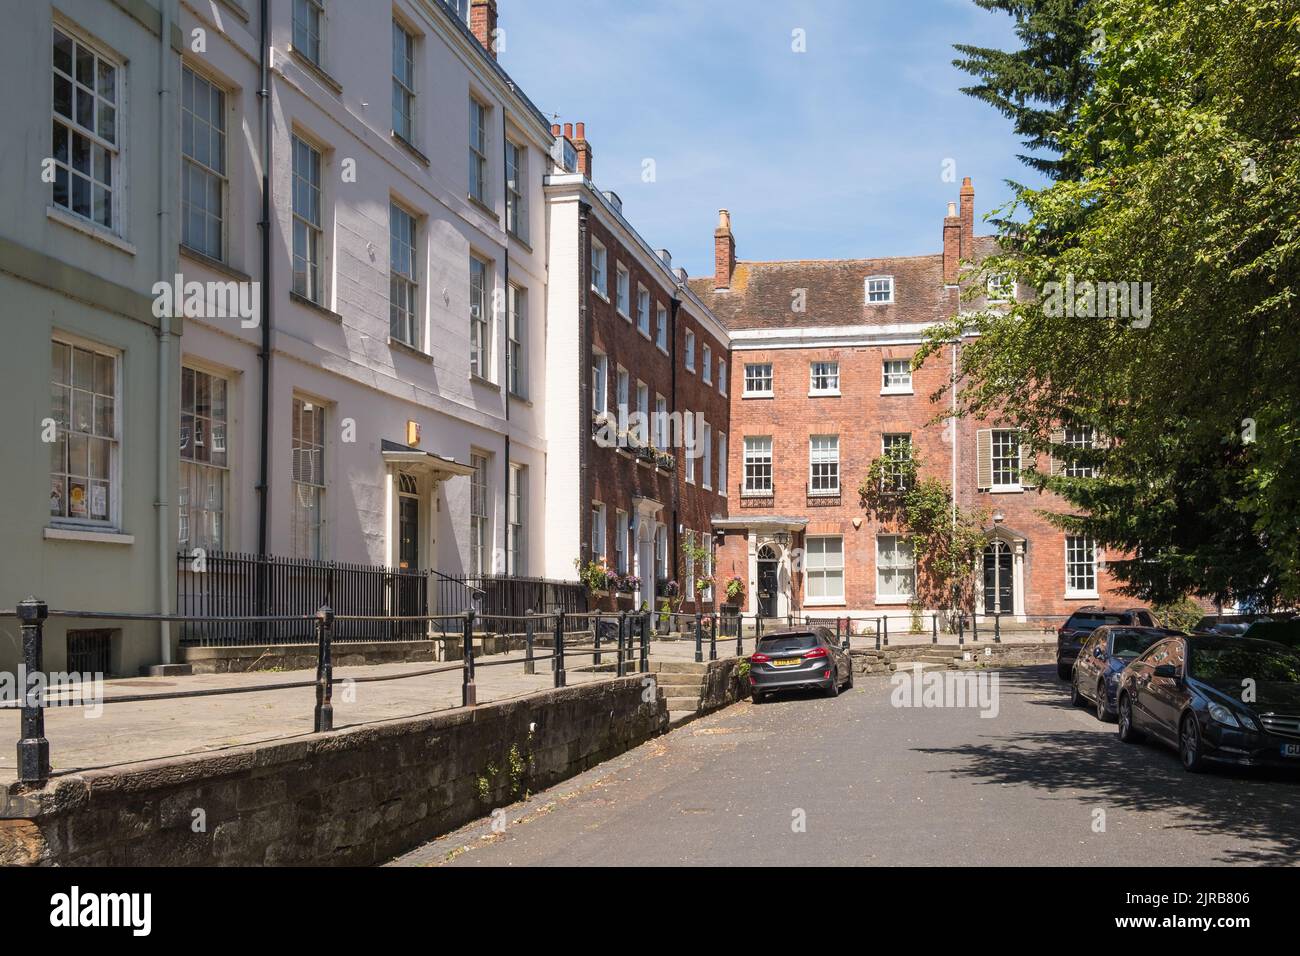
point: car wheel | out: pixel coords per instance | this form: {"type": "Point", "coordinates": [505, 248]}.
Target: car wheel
{"type": "Point", "coordinates": [849, 684]}
{"type": "Point", "coordinates": [1063, 671]}
{"type": "Point", "coordinates": [833, 689]}
{"type": "Point", "coordinates": [1189, 745]}
{"type": "Point", "coordinates": [757, 697]}
{"type": "Point", "coordinates": [1076, 699]}
{"type": "Point", "coordinates": [1127, 732]}
{"type": "Point", "coordinates": [1103, 706]}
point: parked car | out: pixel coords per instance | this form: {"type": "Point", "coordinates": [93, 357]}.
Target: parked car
{"type": "Point", "coordinates": [1071, 635]}
{"type": "Point", "coordinates": [1286, 633]}
{"type": "Point", "coordinates": [1227, 625]}
{"type": "Point", "coordinates": [799, 658]}
{"type": "Point", "coordinates": [1106, 652]}
{"type": "Point", "coordinates": [1187, 692]}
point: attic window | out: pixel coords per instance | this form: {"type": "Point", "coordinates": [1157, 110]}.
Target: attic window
{"type": "Point", "coordinates": [880, 290]}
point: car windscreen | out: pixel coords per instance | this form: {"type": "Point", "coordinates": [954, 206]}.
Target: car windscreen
{"type": "Point", "coordinates": [1093, 620]}
{"type": "Point", "coordinates": [787, 644]}
{"type": "Point", "coordinates": [1238, 660]}
{"type": "Point", "coordinates": [1127, 645]}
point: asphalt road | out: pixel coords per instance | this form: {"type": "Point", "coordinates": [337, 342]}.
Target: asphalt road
{"type": "Point", "coordinates": [883, 785]}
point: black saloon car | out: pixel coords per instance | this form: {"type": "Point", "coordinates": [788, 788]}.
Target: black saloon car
{"type": "Point", "coordinates": [1227, 699]}
{"type": "Point", "coordinates": [1106, 652]}
{"type": "Point", "coordinates": [1071, 635]}
{"type": "Point", "coordinates": [799, 658]}
{"type": "Point", "coordinates": [1285, 632]}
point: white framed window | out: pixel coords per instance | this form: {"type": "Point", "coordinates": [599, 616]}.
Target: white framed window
{"type": "Point", "coordinates": [722, 464]}
{"type": "Point", "coordinates": [85, 481]}
{"type": "Point", "coordinates": [1006, 458]}
{"type": "Point", "coordinates": [661, 436]}
{"type": "Point", "coordinates": [643, 311]}
{"type": "Point", "coordinates": [620, 542]}
{"type": "Point", "coordinates": [307, 517]}
{"type": "Point", "coordinates": [515, 511]}
{"type": "Point", "coordinates": [706, 571]}
{"type": "Point", "coordinates": [824, 569]}
{"type": "Point", "coordinates": [599, 260]}
{"type": "Point", "coordinates": [825, 378]}
{"type": "Point", "coordinates": [85, 138]}
{"type": "Point", "coordinates": [690, 351]}
{"type": "Point", "coordinates": [722, 377]}
{"type": "Point", "coordinates": [661, 554]}
{"type": "Point", "coordinates": [622, 393]}
{"type": "Point", "coordinates": [403, 82]}
{"type": "Point", "coordinates": [706, 365]}
{"type": "Point", "coordinates": [307, 220]}
{"type": "Point", "coordinates": [599, 383]}
{"type": "Point", "coordinates": [758, 465]}
{"type": "Point", "coordinates": [690, 438]}
{"type": "Point", "coordinates": [897, 452]}
{"type": "Point", "coordinates": [204, 459]}
{"type": "Point", "coordinates": [479, 515]}
{"type": "Point", "coordinates": [895, 569]}
{"type": "Point", "coordinates": [1080, 567]}
{"type": "Point", "coordinates": [706, 440]}
{"type": "Point", "coordinates": [461, 7]}
{"type": "Point", "coordinates": [517, 342]}
{"type": "Point", "coordinates": [480, 325]}
{"type": "Point", "coordinates": [622, 283]}
{"type": "Point", "coordinates": [597, 531]}
{"type": "Point", "coordinates": [1078, 437]}
{"type": "Point", "coordinates": [1001, 289]}
{"type": "Point", "coordinates": [758, 379]}
{"type": "Point", "coordinates": [643, 410]}
{"type": "Point", "coordinates": [403, 283]}
{"type": "Point", "coordinates": [203, 167]}
{"type": "Point", "coordinates": [661, 328]}
{"type": "Point", "coordinates": [880, 290]}
{"type": "Point", "coordinates": [517, 190]}
{"type": "Point", "coordinates": [478, 151]}
{"type": "Point", "coordinates": [824, 465]}
{"type": "Point", "coordinates": [308, 18]}
{"type": "Point", "coordinates": [896, 377]}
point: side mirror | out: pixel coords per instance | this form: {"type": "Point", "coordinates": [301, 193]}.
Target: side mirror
{"type": "Point", "coordinates": [1166, 670]}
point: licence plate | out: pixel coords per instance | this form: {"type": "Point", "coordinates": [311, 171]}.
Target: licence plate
{"type": "Point", "coordinates": [1291, 750]}
{"type": "Point", "coordinates": [787, 662]}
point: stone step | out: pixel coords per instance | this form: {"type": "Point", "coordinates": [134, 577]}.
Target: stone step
{"type": "Point", "coordinates": [672, 689]}
{"type": "Point", "coordinates": [678, 717]}
{"type": "Point", "coordinates": [682, 703]}
{"type": "Point", "coordinates": [677, 667]}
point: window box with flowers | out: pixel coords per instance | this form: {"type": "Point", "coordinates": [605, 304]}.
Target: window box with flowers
{"type": "Point", "coordinates": [665, 460]}
{"type": "Point", "coordinates": [625, 583]}
{"type": "Point", "coordinates": [735, 591]}
{"type": "Point", "coordinates": [596, 576]}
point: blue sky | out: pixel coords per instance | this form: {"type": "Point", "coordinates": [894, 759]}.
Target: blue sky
{"type": "Point", "coordinates": [833, 153]}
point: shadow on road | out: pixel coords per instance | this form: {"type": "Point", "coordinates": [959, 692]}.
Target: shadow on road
{"type": "Point", "coordinates": [1257, 806]}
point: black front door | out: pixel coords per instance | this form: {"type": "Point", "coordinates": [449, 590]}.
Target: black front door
{"type": "Point", "coordinates": [408, 532]}
{"type": "Point", "coordinates": [767, 584]}
{"type": "Point", "coordinates": [997, 579]}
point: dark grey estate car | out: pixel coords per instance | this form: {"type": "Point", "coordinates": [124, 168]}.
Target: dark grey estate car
{"type": "Point", "coordinates": [799, 658]}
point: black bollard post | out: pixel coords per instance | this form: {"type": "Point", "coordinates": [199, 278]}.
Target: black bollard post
{"type": "Point", "coordinates": [877, 633]}
{"type": "Point", "coordinates": [961, 627]}
{"type": "Point", "coordinates": [595, 630]}
{"type": "Point", "coordinates": [530, 666]}
{"type": "Point", "coordinates": [974, 629]}
{"type": "Point", "coordinates": [934, 628]}
{"type": "Point", "coordinates": [699, 638]}
{"type": "Point", "coordinates": [886, 620]}
{"type": "Point", "coordinates": [645, 641]}
{"type": "Point", "coordinates": [997, 627]}
{"type": "Point", "coordinates": [324, 716]}
{"type": "Point", "coordinates": [559, 649]}
{"type": "Point", "coordinates": [622, 644]}
{"type": "Point", "coordinates": [468, 692]}
{"type": "Point", "coordinates": [33, 748]}
{"type": "Point", "coordinates": [740, 641]}
{"type": "Point", "coordinates": [713, 637]}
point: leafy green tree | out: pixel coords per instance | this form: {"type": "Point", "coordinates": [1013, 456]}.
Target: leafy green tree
{"type": "Point", "coordinates": [1187, 147]}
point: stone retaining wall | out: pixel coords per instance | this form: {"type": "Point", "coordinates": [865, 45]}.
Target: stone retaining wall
{"type": "Point", "coordinates": [355, 796]}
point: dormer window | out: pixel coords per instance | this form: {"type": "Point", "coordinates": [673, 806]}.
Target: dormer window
{"type": "Point", "coordinates": [880, 290]}
{"type": "Point", "coordinates": [1001, 288]}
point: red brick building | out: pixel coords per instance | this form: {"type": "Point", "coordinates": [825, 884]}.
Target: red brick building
{"type": "Point", "coordinates": [822, 384]}
{"type": "Point", "coordinates": [649, 459]}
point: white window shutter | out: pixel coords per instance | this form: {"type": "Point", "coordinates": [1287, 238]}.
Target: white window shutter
{"type": "Point", "coordinates": [1058, 438]}
{"type": "Point", "coordinates": [984, 459]}
{"type": "Point", "coordinates": [1027, 457]}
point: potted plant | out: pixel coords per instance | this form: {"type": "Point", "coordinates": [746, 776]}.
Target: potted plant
{"type": "Point", "coordinates": [595, 575]}
{"type": "Point", "coordinates": [735, 590]}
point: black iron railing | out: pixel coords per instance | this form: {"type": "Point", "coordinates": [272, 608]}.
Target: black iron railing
{"type": "Point", "coordinates": [497, 598]}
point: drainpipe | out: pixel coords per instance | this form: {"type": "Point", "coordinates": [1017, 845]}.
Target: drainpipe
{"type": "Point", "coordinates": [505, 391]}
{"type": "Point", "coordinates": [673, 306]}
{"type": "Point", "coordinates": [264, 355]}
{"type": "Point", "coordinates": [167, 121]}
{"type": "Point", "coordinates": [586, 402]}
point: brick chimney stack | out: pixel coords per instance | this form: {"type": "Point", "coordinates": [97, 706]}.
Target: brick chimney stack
{"type": "Point", "coordinates": [483, 23]}
{"type": "Point", "coordinates": [583, 149]}
{"type": "Point", "coordinates": [967, 219]}
{"type": "Point", "coordinates": [724, 252]}
{"type": "Point", "coordinates": [952, 225]}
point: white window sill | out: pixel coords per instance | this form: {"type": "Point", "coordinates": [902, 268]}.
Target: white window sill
{"type": "Point", "coordinates": [882, 302]}
{"type": "Point", "coordinates": [824, 601]}
{"type": "Point", "coordinates": [825, 393]}
{"type": "Point", "coordinates": [691, 369]}
{"type": "Point", "coordinates": [758, 395]}
{"type": "Point", "coordinates": [752, 493]}
{"type": "Point", "coordinates": [480, 380]}
{"type": "Point", "coordinates": [86, 534]}
{"type": "Point", "coordinates": [662, 348]}
{"type": "Point", "coordinates": [625, 315]}
{"type": "Point", "coordinates": [645, 333]}
{"type": "Point", "coordinates": [1082, 595]}
{"type": "Point", "coordinates": [73, 221]}
{"type": "Point", "coordinates": [897, 391]}
{"type": "Point", "coordinates": [1006, 489]}
{"type": "Point", "coordinates": [893, 598]}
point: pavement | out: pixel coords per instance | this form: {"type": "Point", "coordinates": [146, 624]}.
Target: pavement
{"type": "Point", "coordinates": [856, 780]}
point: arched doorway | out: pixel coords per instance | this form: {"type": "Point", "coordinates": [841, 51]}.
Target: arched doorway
{"type": "Point", "coordinates": [999, 578]}
{"type": "Point", "coordinates": [768, 580]}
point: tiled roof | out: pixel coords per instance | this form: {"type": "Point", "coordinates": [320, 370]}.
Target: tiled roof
{"type": "Point", "coordinates": [762, 294]}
